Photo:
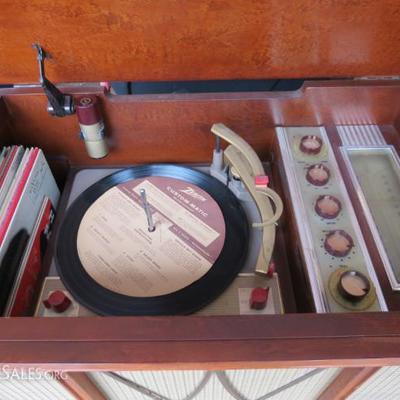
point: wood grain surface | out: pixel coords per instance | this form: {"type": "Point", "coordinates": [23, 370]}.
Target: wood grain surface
{"type": "Point", "coordinates": [81, 386]}
{"type": "Point", "coordinates": [176, 127]}
{"type": "Point", "coordinates": [128, 343]}
{"type": "Point", "coordinates": [190, 39]}
{"type": "Point", "coordinates": [347, 382]}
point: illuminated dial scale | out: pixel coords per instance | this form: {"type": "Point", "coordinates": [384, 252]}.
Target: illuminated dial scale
{"type": "Point", "coordinates": [336, 247]}
{"type": "Point", "coordinates": [375, 173]}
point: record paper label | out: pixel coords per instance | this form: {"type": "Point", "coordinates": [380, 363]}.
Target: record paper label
{"type": "Point", "coordinates": [119, 253]}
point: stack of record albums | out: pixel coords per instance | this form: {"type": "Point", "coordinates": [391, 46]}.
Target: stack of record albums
{"type": "Point", "coordinates": [28, 198]}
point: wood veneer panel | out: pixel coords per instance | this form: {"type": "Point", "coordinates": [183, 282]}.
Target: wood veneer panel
{"type": "Point", "coordinates": [347, 382]}
{"type": "Point", "coordinates": [365, 339]}
{"type": "Point", "coordinates": [176, 128]}
{"type": "Point", "coordinates": [81, 386]}
{"type": "Point", "coordinates": [212, 355]}
{"type": "Point", "coordinates": [198, 328]}
{"type": "Point", "coordinates": [191, 39]}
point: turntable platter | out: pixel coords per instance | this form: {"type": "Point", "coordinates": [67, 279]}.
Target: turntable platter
{"type": "Point", "coordinates": [114, 265]}
{"type": "Point", "coordinates": [119, 252]}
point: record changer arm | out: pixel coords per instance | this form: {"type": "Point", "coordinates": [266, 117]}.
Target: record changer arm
{"type": "Point", "coordinates": [241, 156]}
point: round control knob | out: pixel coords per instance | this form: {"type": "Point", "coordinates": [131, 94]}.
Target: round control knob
{"type": "Point", "coordinates": [57, 301]}
{"type": "Point", "coordinates": [338, 243]}
{"type": "Point", "coordinates": [353, 285]}
{"type": "Point", "coordinates": [258, 298]}
{"type": "Point", "coordinates": [318, 175]}
{"type": "Point", "coordinates": [328, 206]}
{"type": "Point", "coordinates": [310, 144]}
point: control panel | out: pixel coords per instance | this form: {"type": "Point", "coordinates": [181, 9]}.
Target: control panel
{"type": "Point", "coordinates": [339, 269]}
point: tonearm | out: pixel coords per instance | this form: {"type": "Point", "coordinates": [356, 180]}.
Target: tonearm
{"type": "Point", "coordinates": [241, 158]}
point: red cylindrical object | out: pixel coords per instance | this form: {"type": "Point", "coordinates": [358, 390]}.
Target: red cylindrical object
{"type": "Point", "coordinates": [258, 298]}
{"type": "Point", "coordinates": [87, 109]}
{"type": "Point", "coordinates": [271, 269]}
{"type": "Point", "coordinates": [91, 125]}
{"type": "Point", "coordinates": [57, 301]}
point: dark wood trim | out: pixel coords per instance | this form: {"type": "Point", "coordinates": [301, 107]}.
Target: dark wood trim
{"type": "Point", "coordinates": [149, 128]}
{"type": "Point", "coordinates": [5, 125]}
{"type": "Point", "coordinates": [347, 382]}
{"type": "Point", "coordinates": [81, 386]}
{"type": "Point", "coordinates": [292, 340]}
{"type": "Point", "coordinates": [357, 326]}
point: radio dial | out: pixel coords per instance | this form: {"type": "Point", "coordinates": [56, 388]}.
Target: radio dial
{"type": "Point", "coordinates": [328, 206]}
{"type": "Point", "coordinates": [353, 285]}
{"type": "Point", "coordinates": [338, 243]}
{"type": "Point", "coordinates": [310, 144]}
{"type": "Point", "coordinates": [318, 175]}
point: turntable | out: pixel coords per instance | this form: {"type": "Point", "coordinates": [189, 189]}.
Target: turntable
{"type": "Point", "coordinates": [169, 239]}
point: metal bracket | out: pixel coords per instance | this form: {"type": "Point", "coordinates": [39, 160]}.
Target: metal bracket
{"type": "Point", "coordinates": [59, 104]}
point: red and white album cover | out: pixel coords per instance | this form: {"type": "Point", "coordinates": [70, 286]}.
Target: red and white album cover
{"type": "Point", "coordinates": [5, 164]}
{"type": "Point", "coordinates": [3, 158]}
{"type": "Point", "coordinates": [10, 169]}
{"type": "Point", "coordinates": [27, 280]}
{"type": "Point", "coordinates": [34, 184]}
{"type": "Point", "coordinates": [15, 190]}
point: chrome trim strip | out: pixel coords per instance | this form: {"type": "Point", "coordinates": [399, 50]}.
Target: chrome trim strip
{"type": "Point", "coordinates": [360, 135]}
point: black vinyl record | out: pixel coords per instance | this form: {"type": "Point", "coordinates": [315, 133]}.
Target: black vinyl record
{"type": "Point", "coordinates": [184, 301]}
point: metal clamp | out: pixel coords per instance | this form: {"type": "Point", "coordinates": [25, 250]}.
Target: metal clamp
{"type": "Point", "coordinates": [59, 104]}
